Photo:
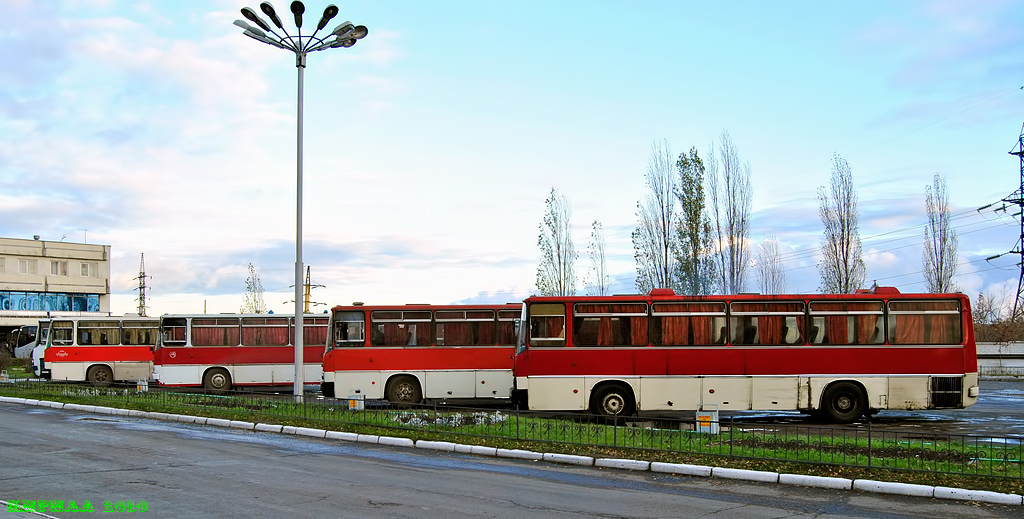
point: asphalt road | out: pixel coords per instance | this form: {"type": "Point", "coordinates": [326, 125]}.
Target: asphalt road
{"type": "Point", "coordinates": [182, 470]}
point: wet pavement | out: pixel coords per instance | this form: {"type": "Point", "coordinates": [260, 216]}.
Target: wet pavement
{"type": "Point", "coordinates": [999, 413]}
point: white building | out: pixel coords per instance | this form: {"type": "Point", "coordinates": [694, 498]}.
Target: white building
{"type": "Point", "coordinates": [41, 278]}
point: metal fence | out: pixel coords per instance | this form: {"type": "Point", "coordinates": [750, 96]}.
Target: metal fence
{"type": "Point", "coordinates": [998, 371]}
{"type": "Point", "coordinates": [862, 445]}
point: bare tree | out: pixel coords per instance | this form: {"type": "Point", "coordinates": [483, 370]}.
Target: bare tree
{"type": "Point", "coordinates": [940, 241]}
{"type": "Point", "coordinates": [730, 197]}
{"type": "Point", "coordinates": [695, 264]}
{"type": "Point", "coordinates": [654, 235]}
{"type": "Point", "coordinates": [771, 276]}
{"type": "Point", "coordinates": [556, 274]}
{"type": "Point", "coordinates": [993, 317]}
{"type": "Point", "coordinates": [253, 302]}
{"type": "Point", "coordinates": [991, 308]}
{"type": "Point", "coordinates": [841, 267]}
{"type": "Point", "coordinates": [597, 284]}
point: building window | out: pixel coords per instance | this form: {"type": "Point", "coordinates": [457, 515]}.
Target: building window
{"type": "Point", "coordinates": [56, 302]}
{"type": "Point", "coordinates": [58, 268]}
{"type": "Point", "coordinates": [90, 270]}
{"type": "Point", "coordinates": [26, 266]}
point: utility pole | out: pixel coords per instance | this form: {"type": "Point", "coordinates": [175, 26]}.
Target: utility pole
{"type": "Point", "coordinates": [308, 288]}
{"type": "Point", "coordinates": [142, 284]}
{"type": "Point", "coordinates": [1017, 198]}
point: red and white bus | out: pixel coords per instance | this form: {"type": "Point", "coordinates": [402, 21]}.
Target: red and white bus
{"type": "Point", "coordinates": [409, 353]}
{"type": "Point", "coordinates": [100, 350]}
{"type": "Point", "coordinates": [840, 356]}
{"type": "Point", "coordinates": [222, 351]}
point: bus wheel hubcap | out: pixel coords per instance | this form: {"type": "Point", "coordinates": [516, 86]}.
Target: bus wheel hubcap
{"type": "Point", "coordinates": [613, 404]}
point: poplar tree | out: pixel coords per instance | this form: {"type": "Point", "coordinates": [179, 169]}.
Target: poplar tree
{"type": "Point", "coordinates": [841, 267]}
{"type": "Point", "coordinates": [556, 274]}
{"type": "Point", "coordinates": [940, 241]}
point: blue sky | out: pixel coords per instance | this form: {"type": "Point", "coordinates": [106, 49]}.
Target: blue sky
{"type": "Point", "coordinates": [158, 128]}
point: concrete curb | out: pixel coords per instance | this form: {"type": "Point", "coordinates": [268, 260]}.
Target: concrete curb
{"type": "Point", "coordinates": [683, 469]}
{"type": "Point", "coordinates": [977, 495]}
{"type": "Point", "coordinates": [885, 487]}
{"type": "Point", "coordinates": [395, 442]}
{"type": "Point", "coordinates": [367, 438]}
{"type": "Point", "coordinates": [437, 446]}
{"type": "Point", "coordinates": [568, 459]}
{"type": "Point", "coordinates": [238, 424]}
{"type": "Point", "coordinates": [344, 436]}
{"type": "Point", "coordinates": [816, 481]}
{"type": "Point", "coordinates": [744, 474]}
{"type": "Point", "coordinates": [622, 464]}
{"type": "Point", "coordinates": [519, 454]}
{"type": "Point", "coordinates": [864, 485]}
{"type": "Point", "coordinates": [314, 433]}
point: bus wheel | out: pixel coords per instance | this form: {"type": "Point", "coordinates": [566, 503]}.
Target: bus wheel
{"type": "Point", "coordinates": [217, 380]}
{"type": "Point", "coordinates": [844, 402]}
{"type": "Point", "coordinates": [404, 390]}
{"type": "Point", "coordinates": [100, 376]}
{"type": "Point", "coordinates": [612, 400]}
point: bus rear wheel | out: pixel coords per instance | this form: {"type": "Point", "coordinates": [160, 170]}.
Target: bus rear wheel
{"type": "Point", "coordinates": [100, 375]}
{"type": "Point", "coordinates": [612, 400]}
{"type": "Point", "coordinates": [404, 390]}
{"type": "Point", "coordinates": [843, 402]}
{"type": "Point", "coordinates": [217, 380]}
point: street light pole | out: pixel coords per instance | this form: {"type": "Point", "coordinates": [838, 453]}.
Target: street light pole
{"type": "Point", "coordinates": [344, 35]}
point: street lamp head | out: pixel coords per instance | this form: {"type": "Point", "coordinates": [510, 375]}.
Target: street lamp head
{"type": "Point", "coordinates": [259, 35]}
{"type": "Point", "coordinates": [329, 12]}
{"type": "Point", "coordinates": [254, 18]}
{"type": "Point", "coordinates": [345, 43]}
{"type": "Point", "coordinates": [297, 9]}
{"type": "Point", "coordinates": [342, 28]}
{"type": "Point", "coordinates": [346, 30]}
{"type": "Point", "coordinates": [269, 11]}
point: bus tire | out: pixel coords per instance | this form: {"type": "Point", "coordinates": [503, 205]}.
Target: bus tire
{"type": "Point", "coordinates": [843, 402]}
{"type": "Point", "coordinates": [404, 390]}
{"type": "Point", "coordinates": [217, 380]}
{"type": "Point", "coordinates": [100, 375]}
{"type": "Point", "coordinates": [612, 400]}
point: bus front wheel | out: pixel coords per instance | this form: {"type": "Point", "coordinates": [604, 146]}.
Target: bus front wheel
{"type": "Point", "coordinates": [844, 402]}
{"type": "Point", "coordinates": [404, 390]}
{"type": "Point", "coordinates": [612, 400]}
{"type": "Point", "coordinates": [100, 376]}
{"type": "Point", "coordinates": [217, 380]}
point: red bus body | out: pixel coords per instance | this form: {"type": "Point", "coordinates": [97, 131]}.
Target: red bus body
{"type": "Point", "coordinates": [841, 355]}
{"type": "Point", "coordinates": [408, 353]}
{"type": "Point", "coordinates": [100, 350]}
{"type": "Point", "coordinates": [222, 351]}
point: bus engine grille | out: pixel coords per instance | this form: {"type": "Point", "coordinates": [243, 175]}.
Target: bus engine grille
{"type": "Point", "coordinates": [947, 392]}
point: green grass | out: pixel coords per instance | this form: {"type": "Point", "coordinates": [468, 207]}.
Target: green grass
{"type": "Point", "coordinates": [18, 369]}
{"type": "Point", "coordinates": [943, 460]}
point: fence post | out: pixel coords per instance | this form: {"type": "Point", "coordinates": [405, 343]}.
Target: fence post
{"type": "Point", "coordinates": [517, 424]}
{"type": "Point", "coordinates": [869, 444]}
{"type": "Point", "coordinates": [615, 431]}
{"type": "Point", "coordinates": [731, 426]}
